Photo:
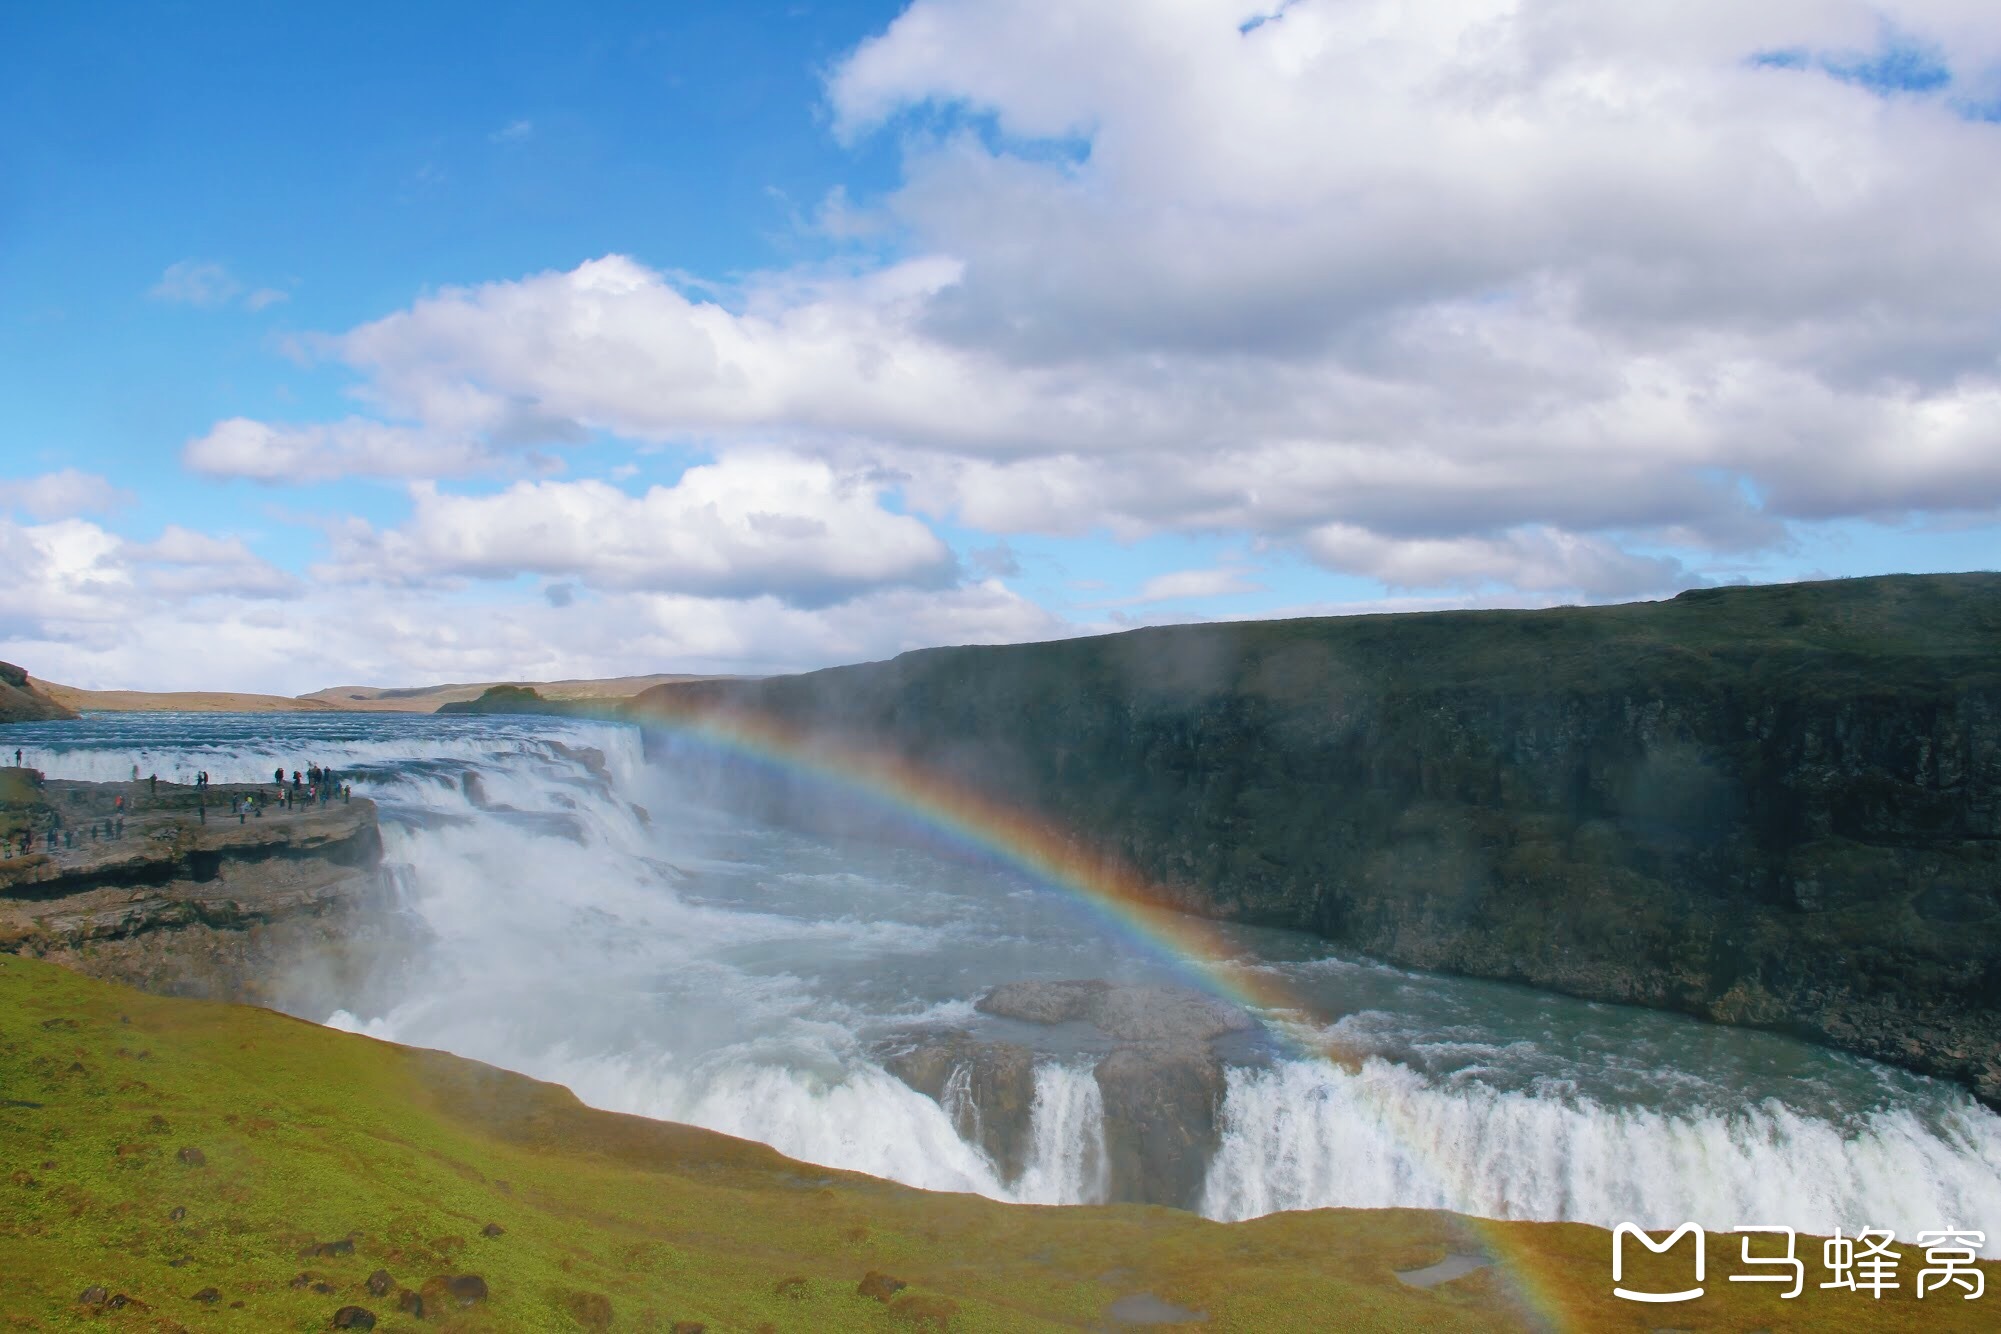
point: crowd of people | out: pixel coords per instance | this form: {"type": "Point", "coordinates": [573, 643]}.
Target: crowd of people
{"type": "Point", "coordinates": [314, 785]}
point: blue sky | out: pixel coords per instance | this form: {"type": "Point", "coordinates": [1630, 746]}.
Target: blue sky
{"type": "Point", "coordinates": [410, 343]}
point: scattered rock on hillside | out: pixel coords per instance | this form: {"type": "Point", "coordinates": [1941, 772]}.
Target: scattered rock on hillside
{"type": "Point", "coordinates": [380, 1284]}
{"type": "Point", "coordinates": [93, 1296]}
{"type": "Point", "coordinates": [354, 1317]}
{"type": "Point", "coordinates": [879, 1285]}
{"type": "Point", "coordinates": [592, 1310]}
{"type": "Point", "coordinates": [207, 1296]}
{"type": "Point", "coordinates": [493, 1230]}
{"type": "Point", "coordinates": [454, 1290]}
{"type": "Point", "coordinates": [193, 1157]}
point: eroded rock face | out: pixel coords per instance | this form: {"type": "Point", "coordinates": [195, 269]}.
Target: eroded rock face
{"type": "Point", "coordinates": [987, 1087]}
{"type": "Point", "coordinates": [1162, 1086]}
{"type": "Point", "coordinates": [1161, 1105]}
{"type": "Point", "coordinates": [286, 911]}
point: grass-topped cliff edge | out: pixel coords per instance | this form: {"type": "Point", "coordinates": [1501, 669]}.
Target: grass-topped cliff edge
{"type": "Point", "coordinates": [190, 1165]}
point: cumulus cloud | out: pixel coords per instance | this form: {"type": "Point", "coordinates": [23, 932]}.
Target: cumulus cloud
{"type": "Point", "coordinates": [62, 494]}
{"type": "Point", "coordinates": [750, 525]}
{"type": "Point", "coordinates": [189, 611]}
{"type": "Point", "coordinates": [1492, 292]}
{"type": "Point", "coordinates": [71, 580]}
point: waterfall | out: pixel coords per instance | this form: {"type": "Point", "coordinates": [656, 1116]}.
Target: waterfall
{"type": "Point", "coordinates": [585, 921]}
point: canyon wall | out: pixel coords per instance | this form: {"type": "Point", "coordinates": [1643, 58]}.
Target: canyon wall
{"type": "Point", "coordinates": [1774, 806]}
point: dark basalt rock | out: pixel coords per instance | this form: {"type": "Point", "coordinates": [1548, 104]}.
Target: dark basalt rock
{"type": "Point", "coordinates": [1161, 1102]}
{"type": "Point", "coordinates": [354, 1317]}
{"type": "Point", "coordinates": [1161, 1087]}
{"type": "Point", "coordinates": [1770, 806]}
{"type": "Point", "coordinates": [989, 1087]}
{"type": "Point", "coordinates": [380, 1284]}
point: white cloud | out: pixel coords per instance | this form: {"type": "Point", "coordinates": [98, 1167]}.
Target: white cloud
{"type": "Point", "coordinates": [73, 581]}
{"type": "Point", "coordinates": [195, 283]}
{"type": "Point", "coordinates": [1476, 292]}
{"type": "Point", "coordinates": [63, 494]}
{"type": "Point", "coordinates": [189, 611]}
{"type": "Point", "coordinates": [750, 525]}
{"type": "Point", "coordinates": [354, 446]}
{"type": "Point", "coordinates": [1534, 560]}
{"type": "Point", "coordinates": [205, 283]}
{"type": "Point", "coordinates": [513, 132]}
{"type": "Point", "coordinates": [1179, 584]}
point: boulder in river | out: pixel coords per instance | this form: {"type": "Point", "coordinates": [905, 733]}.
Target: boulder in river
{"type": "Point", "coordinates": [1133, 1013]}
{"type": "Point", "coordinates": [988, 1088]}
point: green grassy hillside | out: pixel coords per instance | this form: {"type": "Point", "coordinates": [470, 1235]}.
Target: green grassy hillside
{"type": "Point", "coordinates": [226, 1168]}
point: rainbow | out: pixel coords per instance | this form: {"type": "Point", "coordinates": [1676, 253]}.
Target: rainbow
{"type": "Point", "coordinates": [1107, 889]}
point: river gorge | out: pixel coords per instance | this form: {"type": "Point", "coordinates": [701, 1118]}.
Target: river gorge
{"type": "Point", "coordinates": [629, 917]}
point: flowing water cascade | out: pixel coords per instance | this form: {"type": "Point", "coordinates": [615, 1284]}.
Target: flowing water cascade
{"type": "Point", "coordinates": [600, 921]}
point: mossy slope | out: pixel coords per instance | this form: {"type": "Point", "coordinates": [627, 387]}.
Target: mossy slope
{"type": "Point", "coordinates": [306, 1136]}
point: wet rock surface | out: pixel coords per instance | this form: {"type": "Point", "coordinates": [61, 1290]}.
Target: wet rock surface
{"type": "Point", "coordinates": [1135, 1013]}
{"type": "Point", "coordinates": [1161, 1084]}
{"type": "Point", "coordinates": [987, 1087]}
{"type": "Point", "coordinates": [1161, 1103]}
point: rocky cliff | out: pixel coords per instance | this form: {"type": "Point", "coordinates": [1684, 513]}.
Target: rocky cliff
{"type": "Point", "coordinates": [182, 898]}
{"type": "Point", "coordinates": [1773, 806]}
{"type": "Point", "coordinates": [21, 702]}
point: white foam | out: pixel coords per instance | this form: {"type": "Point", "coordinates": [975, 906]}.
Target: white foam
{"type": "Point", "coordinates": [1306, 1135]}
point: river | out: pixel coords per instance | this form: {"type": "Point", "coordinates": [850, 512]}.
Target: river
{"type": "Point", "coordinates": [624, 927]}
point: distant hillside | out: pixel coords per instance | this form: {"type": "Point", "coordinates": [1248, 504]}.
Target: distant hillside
{"type": "Point", "coordinates": [519, 699]}
{"type": "Point", "coordinates": [23, 701]}
{"type": "Point", "coordinates": [426, 699]}
{"type": "Point", "coordinates": [1776, 806]}
{"type": "Point", "coordinates": [347, 699]}
{"type": "Point", "coordinates": [180, 701]}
